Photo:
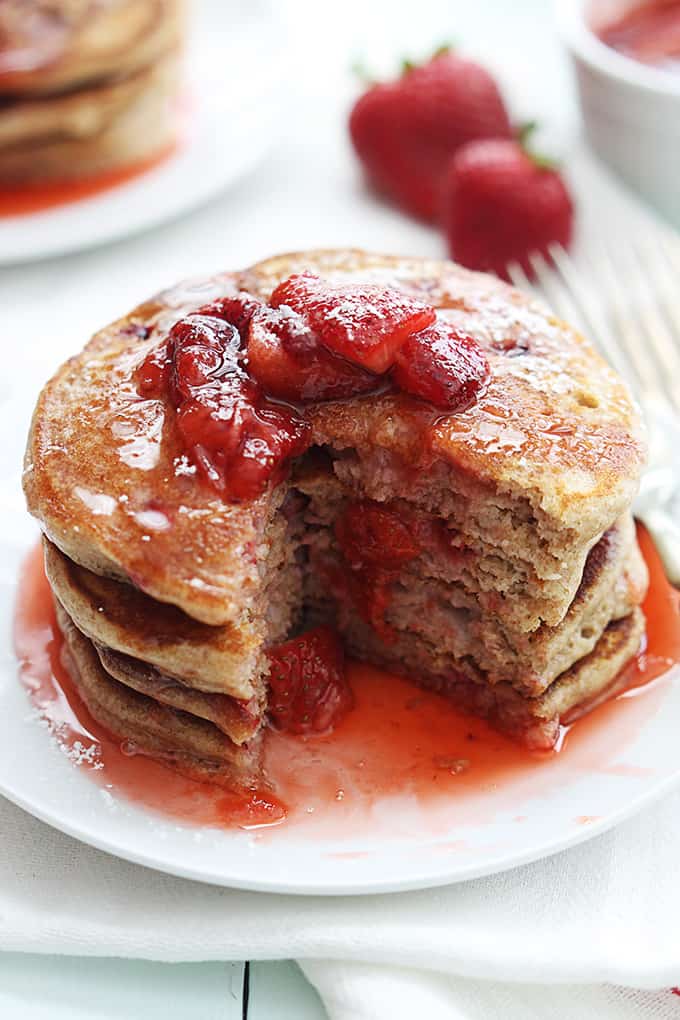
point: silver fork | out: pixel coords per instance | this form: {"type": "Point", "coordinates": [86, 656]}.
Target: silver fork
{"type": "Point", "coordinates": [624, 297]}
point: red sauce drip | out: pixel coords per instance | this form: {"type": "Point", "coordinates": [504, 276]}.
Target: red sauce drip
{"type": "Point", "coordinates": [398, 748]}
{"type": "Point", "coordinates": [23, 199]}
{"type": "Point", "coordinates": [649, 33]}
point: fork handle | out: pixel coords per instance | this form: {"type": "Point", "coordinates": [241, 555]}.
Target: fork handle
{"type": "Point", "coordinates": [666, 535]}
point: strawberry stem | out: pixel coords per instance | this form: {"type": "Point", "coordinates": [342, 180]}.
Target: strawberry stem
{"type": "Point", "coordinates": [409, 65]}
{"type": "Point", "coordinates": [524, 133]}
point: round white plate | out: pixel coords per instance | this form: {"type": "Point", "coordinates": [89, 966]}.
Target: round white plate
{"type": "Point", "coordinates": [233, 103]}
{"type": "Point", "coordinates": [625, 762]}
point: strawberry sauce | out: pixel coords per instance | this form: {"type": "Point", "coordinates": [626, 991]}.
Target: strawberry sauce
{"type": "Point", "coordinates": [24, 199]}
{"type": "Point", "coordinates": [650, 33]}
{"type": "Point", "coordinates": [401, 757]}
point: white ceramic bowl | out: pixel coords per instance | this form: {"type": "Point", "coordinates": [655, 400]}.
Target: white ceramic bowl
{"type": "Point", "coordinates": [631, 111]}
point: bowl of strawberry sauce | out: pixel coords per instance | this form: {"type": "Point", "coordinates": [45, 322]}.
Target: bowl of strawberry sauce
{"type": "Point", "coordinates": [626, 54]}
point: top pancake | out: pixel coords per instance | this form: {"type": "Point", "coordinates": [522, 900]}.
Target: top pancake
{"type": "Point", "coordinates": [106, 478]}
{"type": "Point", "coordinates": [54, 45]}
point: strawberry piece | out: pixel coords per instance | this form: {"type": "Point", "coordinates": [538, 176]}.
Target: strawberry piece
{"type": "Point", "coordinates": [443, 366]}
{"type": "Point", "coordinates": [405, 131]}
{"type": "Point", "coordinates": [287, 360]}
{"type": "Point", "coordinates": [370, 534]}
{"type": "Point", "coordinates": [501, 205]}
{"type": "Point", "coordinates": [363, 322]}
{"type": "Point", "coordinates": [153, 375]}
{"type": "Point", "coordinates": [308, 689]}
{"type": "Point", "coordinates": [375, 544]}
{"type": "Point", "coordinates": [240, 441]}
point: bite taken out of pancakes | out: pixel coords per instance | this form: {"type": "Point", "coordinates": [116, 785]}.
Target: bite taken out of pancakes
{"type": "Point", "coordinates": [520, 602]}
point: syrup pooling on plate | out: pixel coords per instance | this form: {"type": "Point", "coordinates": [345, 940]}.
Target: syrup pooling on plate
{"type": "Point", "coordinates": [401, 757]}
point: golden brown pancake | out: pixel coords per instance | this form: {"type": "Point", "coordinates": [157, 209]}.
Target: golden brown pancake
{"type": "Point", "coordinates": [238, 720]}
{"type": "Point", "coordinates": [533, 474]}
{"type": "Point", "coordinates": [50, 46]}
{"type": "Point", "coordinates": [98, 128]}
{"type": "Point", "coordinates": [86, 86]}
{"type": "Point", "coordinates": [191, 744]}
{"type": "Point", "coordinates": [120, 616]}
{"type": "Point", "coordinates": [522, 607]}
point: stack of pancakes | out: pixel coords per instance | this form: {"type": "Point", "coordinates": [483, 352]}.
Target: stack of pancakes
{"type": "Point", "coordinates": [85, 85]}
{"type": "Point", "coordinates": [522, 605]}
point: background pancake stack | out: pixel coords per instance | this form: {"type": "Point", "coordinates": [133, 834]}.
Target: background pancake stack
{"type": "Point", "coordinates": [86, 86]}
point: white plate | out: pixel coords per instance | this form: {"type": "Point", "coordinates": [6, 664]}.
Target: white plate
{"type": "Point", "coordinates": [618, 768]}
{"type": "Point", "coordinates": [233, 105]}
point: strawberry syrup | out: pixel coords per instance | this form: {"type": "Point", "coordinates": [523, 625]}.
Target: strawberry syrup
{"type": "Point", "coordinates": [24, 199]}
{"type": "Point", "coordinates": [401, 757]}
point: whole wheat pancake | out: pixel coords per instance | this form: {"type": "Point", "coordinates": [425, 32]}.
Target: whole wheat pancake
{"type": "Point", "coordinates": [238, 720]}
{"type": "Point", "coordinates": [193, 746]}
{"type": "Point", "coordinates": [535, 472]}
{"type": "Point", "coordinates": [51, 46]}
{"type": "Point", "coordinates": [532, 721]}
{"type": "Point", "coordinates": [97, 128]}
{"type": "Point", "coordinates": [223, 659]}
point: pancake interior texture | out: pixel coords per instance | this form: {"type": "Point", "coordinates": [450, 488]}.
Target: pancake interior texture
{"type": "Point", "coordinates": [521, 604]}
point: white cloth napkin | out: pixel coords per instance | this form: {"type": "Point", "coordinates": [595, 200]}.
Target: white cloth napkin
{"type": "Point", "coordinates": [604, 914]}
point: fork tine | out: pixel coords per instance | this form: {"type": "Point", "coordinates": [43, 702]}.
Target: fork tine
{"type": "Point", "coordinates": [625, 329]}
{"type": "Point", "coordinates": [557, 293]}
{"type": "Point", "coordinates": [520, 279]}
{"type": "Point", "coordinates": [591, 313]}
{"type": "Point", "coordinates": [661, 344]}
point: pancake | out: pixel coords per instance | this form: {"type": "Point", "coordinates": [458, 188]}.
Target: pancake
{"type": "Point", "coordinates": [219, 659]}
{"type": "Point", "coordinates": [192, 745]}
{"type": "Point", "coordinates": [533, 474]}
{"type": "Point", "coordinates": [534, 722]}
{"type": "Point", "coordinates": [433, 597]}
{"type": "Point", "coordinates": [238, 720]}
{"type": "Point", "coordinates": [518, 595]}
{"type": "Point", "coordinates": [53, 46]}
{"type": "Point", "coordinates": [101, 127]}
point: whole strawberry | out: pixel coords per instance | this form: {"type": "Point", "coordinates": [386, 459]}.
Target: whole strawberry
{"type": "Point", "coordinates": [501, 204]}
{"type": "Point", "coordinates": [405, 131]}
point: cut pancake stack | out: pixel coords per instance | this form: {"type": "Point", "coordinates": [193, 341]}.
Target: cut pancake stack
{"type": "Point", "coordinates": [458, 631]}
{"type": "Point", "coordinates": [520, 597]}
{"type": "Point", "coordinates": [85, 87]}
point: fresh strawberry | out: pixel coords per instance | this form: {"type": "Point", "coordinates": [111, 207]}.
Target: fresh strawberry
{"type": "Point", "coordinates": [365, 323]}
{"type": "Point", "coordinates": [501, 204]}
{"type": "Point", "coordinates": [442, 365]}
{"type": "Point", "coordinates": [406, 131]}
{"type": "Point", "coordinates": [308, 689]}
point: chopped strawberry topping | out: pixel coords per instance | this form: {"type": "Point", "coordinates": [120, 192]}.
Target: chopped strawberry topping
{"type": "Point", "coordinates": [240, 441]}
{"type": "Point", "coordinates": [375, 544]}
{"type": "Point", "coordinates": [308, 689]}
{"type": "Point", "coordinates": [370, 534]}
{"type": "Point", "coordinates": [364, 322]}
{"type": "Point", "coordinates": [317, 341]}
{"type": "Point", "coordinates": [443, 366]}
{"type": "Point", "coordinates": [286, 358]}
